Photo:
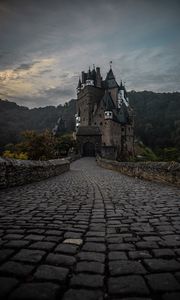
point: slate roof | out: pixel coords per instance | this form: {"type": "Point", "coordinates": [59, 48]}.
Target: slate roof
{"type": "Point", "coordinates": [88, 130]}
{"type": "Point", "coordinates": [121, 116]}
{"type": "Point", "coordinates": [110, 80]}
{"type": "Point", "coordinates": [108, 102]}
{"type": "Point", "coordinates": [79, 83]}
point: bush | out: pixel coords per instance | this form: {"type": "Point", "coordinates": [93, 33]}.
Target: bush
{"type": "Point", "coordinates": [9, 154]}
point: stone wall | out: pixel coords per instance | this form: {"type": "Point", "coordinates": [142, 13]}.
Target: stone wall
{"type": "Point", "coordinates": [14, 172]}
{"type": "Point", "coordinates": [168, 172]}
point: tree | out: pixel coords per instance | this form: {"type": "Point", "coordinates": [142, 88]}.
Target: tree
{"type": "Point", "coordinates": [39, 146]}
{"type": "Point", "coordinates": [64, 144]}
{"type": "Point", "coordinates": [9, 154]}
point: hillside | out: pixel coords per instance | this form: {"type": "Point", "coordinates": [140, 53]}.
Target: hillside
{"type": "Point", "coordinates": [14, 119]}
{"type": "Point", "coordinates": [157, 118]}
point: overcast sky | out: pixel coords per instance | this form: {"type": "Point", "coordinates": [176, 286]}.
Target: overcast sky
{"type": "Point", "coordinates": [45, 44]}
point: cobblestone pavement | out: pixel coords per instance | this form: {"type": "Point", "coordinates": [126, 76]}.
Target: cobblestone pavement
{"type": "Point", "coordinates": [90, 234]}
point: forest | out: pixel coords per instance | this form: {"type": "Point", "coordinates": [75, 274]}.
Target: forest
{"type": "Point", "coordinates": [157, 120]}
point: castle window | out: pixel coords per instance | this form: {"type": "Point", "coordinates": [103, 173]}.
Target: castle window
{"type": "Point", "coordinates": [100, 123]}
{"type": "Point", "coordinates": [122, 128]}
{"type": "Point", "coordinates": [94, 123]}
{"type": "Point", "coordinates": [89, 82]}
{"type": "Point", "coordinates": [108, 115]}
{"type": "Point", "coordinates": [100, 115]}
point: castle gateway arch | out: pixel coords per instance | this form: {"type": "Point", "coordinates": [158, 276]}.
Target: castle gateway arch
{"type": "Point", "coordinates": [88, 149]}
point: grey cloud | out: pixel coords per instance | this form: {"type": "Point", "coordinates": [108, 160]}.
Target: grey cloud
{"type": "Point", "coordinates": [58, 92]}
{"type": "Point", "coordinates": [45, 71]}
{"type": "Point", "coordinates": [26, 66]}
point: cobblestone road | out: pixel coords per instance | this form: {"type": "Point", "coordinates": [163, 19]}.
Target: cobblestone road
{"type": "Point", "coordinates": [90, 234]}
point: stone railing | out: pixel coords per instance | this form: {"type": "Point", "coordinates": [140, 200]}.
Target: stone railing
{"type": "Point", "coordinates": [73, 157]}
{"type": "Point", "coordinates": [168, 172]}
{"type": "Point", "coordinates": [15, 172]}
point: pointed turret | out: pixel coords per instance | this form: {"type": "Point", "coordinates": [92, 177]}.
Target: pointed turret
{"type": "Point", "coordinates": [89, 77]}
{"type": "Point", "coordinates": [93, 74]}
{"type": "Point", "coordinates": [121, 87]}
{"type": "Point", "coordinates": [111, 80]}
{"type": "Point", "coordinates": [98, 77]}
{"type": "Point", "coordinates": [108, 105]}
{"type": "Point", "coordinates": [122, 95]}
{"type": "Point", "coordinates": [89, 80]}
{"type": "Point", "coordinates": [110, 75]}
{"type": "Point", "coordinates": [79, 84]}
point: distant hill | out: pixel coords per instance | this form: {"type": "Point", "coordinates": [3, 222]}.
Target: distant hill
{"type": "Point", "coordinates": [14, 119]}
{"type": "Point", "coordinates": [157, 118]}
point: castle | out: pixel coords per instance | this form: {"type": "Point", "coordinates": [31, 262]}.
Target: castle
{"type": "Point", "coordinates": [104, 119]}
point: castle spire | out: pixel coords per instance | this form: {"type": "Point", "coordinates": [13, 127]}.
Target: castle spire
{"type": "Point", "coordinates": [121, 85]}
{"type": "Point", "coordinates": [79, 86]}
{"type": "Point", "coordinates": [89, 74]}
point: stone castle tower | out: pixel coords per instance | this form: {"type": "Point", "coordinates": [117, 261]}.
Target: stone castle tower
{"type": "Point", "coordinates": [104, 119]}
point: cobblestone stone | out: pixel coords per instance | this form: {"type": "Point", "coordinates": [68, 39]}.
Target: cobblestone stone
{"type": "Point", "coordinates": [126, 267]}
{"type": "Point", "coordinates": [73, 241]}
{"type": "Point", "coordinates": [6, 286]}
{"type": "Point", "coordinates": [163, 253]}
{"type": "Point", "coordinates": [87, 280]}
{"type": "Point", "coordinates": [171, 296]}
{"type": "Point", "coordinates": [30, 256]}
{"type": "Point", "coordinates": [121, 247]}
{"type": "Point", "coordinates": [49, 273]}
{"type": "Point", "coordinates": [91, 256]}
{"type": "Point", "coordinates": [163, 282]}
{"type": "Point", "coordinates": [132, 298]}
{"type": "Point", "coordinates": [16, 269]}
{"type": "Point", "coordinates": [35, 291]}
{"type": "Point", "coordinates": [34, 237]}
{"type": "Point", "coordinates": [94, 247]}
{"type": "Point", "coordinates": [42, 246]}
{"type": "Point", "coordinates": [60, 260]}
{"type": "Point", "coordinates": [139, 254]}
{"type": "Point", "coordinates": [75, 294]}
{"type": "Point", "coordinates": [66, 248]}
{"type": "Point", "coordinates": [114, 255]}
{"type": "Point", "coordinates": [13, 236]}
{"type": "Point", "coordinates": [15, 244]}
{"type": "Point", "coordinates": [92, 234]}
{"type": "Point", "coordinates": [162, 265]}
{"type": "Point", "coordinates": [91, 267]}
{"type": "Point", "coordinates": [128, 285]}
{"type": "Point", "coordinates": [4, 254]}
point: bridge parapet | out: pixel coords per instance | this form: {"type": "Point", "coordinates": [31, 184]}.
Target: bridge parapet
{"type": "Point", "coordinates": [167, 172]}
{"type": "Point", "coordinates": [14, 172]}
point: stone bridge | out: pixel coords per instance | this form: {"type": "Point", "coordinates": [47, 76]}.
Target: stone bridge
{"type": "Point", "coordinates": [90, 234]}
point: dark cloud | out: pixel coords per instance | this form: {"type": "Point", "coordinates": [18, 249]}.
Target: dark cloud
{"type": "Point", "coordinates": [26, 66]}
{"type": "Point", "coordinates": [58, 93]}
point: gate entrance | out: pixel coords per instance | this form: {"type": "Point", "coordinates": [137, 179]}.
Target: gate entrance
{"type": "Point", "coordinates": [88, 149]}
